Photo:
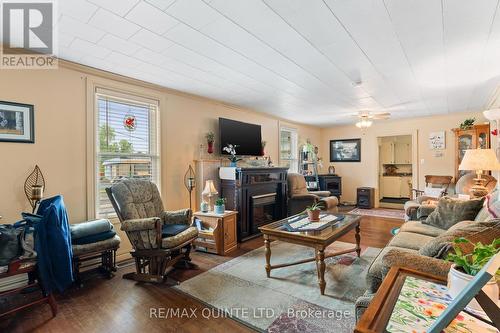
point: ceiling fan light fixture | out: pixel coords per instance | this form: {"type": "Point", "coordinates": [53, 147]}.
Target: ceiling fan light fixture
{"type": "Point", "coordinates": [364, 123]}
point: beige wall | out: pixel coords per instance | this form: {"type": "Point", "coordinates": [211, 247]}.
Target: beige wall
{"type": "Point", "coordinates": [60, 100]}
{"type": "Point", "coordinates": [356, 175]}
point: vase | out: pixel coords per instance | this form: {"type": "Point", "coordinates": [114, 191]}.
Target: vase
{"type": "Point", "coordinates": [210, 148]}
{"type": "Point", "coordinates": [232, 164]}
{"type": "Point", "coordinates": [262, 152]}
{"type": "Point", "coordinates": [219, 209]}
{"type": "Point", "coordinates": [204, 207]}
{"type": "Point", "coordinates": [313, 215]}
{"type": "Point", "coordinates": [458, 280]}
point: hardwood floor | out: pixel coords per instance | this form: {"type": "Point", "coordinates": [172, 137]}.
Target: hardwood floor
{"type": "Point", "coordinates": [120, 305]}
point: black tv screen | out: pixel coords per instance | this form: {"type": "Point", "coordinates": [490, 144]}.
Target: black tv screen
{"type": "Point", "coordinates": [246, 136]}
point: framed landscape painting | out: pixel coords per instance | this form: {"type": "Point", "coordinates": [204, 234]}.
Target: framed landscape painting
{"type": "Point", "coordinates": [16, 122]}
{"type": "Point", "coordinates": [348, 150]}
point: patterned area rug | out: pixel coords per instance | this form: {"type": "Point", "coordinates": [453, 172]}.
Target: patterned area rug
{"type": "Point", "coordinates": [289, 301]}
{"type": "Point", "coordinates": [380, 212]}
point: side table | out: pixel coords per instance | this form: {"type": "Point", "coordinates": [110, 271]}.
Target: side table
{"type": "Point", "coordinates": [218, 232]}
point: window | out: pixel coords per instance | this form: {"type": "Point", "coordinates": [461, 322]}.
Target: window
{"type": "Point", "coordinates": [289, 149]}
{"type": "Point", "coordinates": [127, 144]}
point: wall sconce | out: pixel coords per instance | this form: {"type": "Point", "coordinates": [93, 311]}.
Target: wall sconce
{"type": "Point", "coordinates": [190, 182]}
{"type": "Point", "coordinates": [34, 186]}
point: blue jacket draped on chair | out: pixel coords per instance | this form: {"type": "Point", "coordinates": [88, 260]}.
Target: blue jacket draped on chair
{"type": "Point", "coordinates": [53, 245]}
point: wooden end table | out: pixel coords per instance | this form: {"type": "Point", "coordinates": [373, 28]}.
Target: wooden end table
{"type": "Point", "coordinates": [318, 240]}
{"type": "Point", "coordinates": [376, 317]}
{"type": "Point", "coordinates": [223, 238]}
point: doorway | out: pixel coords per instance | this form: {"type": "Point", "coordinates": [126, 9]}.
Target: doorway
{"type": "Point", "coordinates": [395, 170]}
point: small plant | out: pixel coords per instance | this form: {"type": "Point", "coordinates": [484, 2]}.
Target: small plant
{"type": "Point", "coordinates": [231, 149]}
{"type": "Point", "coordinates": [210, 136]}
{"type": "Point", "coordinates": [472, 263]}
{"type": "Point", "coordinates": [263, 143]}
{"type": "Point", "coordinates": [315, 206]}
{"type": "Point", "coordinates": [314, 211]}
{"type": "Point", "coordinates": [220, 202]}
{"type": "Point", "coordinates": [467, 123]}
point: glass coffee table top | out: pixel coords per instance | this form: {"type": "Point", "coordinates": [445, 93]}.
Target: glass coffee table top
{"type": "Point", "coordinates": [343, 221]}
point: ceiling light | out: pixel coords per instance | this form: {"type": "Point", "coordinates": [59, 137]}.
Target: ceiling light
{"type": "Point", "coordinates": [364, 124]}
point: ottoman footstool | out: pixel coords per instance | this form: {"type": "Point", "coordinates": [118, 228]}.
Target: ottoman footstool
{"type": "Point", "coordinates": [87, 255]}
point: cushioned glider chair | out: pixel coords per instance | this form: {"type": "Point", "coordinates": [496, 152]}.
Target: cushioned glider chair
{"type": "Point", "coordinates": [159, 238]}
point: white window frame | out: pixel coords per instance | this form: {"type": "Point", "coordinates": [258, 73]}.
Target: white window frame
{"type": "Point", "coordinates": [294, 149]}
{"type": "Point", "coordinates": [94, 90]}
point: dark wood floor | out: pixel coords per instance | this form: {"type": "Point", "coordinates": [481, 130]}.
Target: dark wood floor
{"type": "Point", "coordinates": [119, 305]}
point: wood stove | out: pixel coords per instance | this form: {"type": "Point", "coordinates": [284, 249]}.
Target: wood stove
{"type": "Point", "coordinates": [259, 196]}
{"type": "Point", "coordinates": [332, 183]}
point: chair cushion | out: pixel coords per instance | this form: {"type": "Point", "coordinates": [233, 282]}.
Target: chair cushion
{"type": "Point", "coordinates": [169, 230]}
{"type": "Point", "coordinates": [184, 236]}
{"type": "Point", "coordinates": [103, 245]}
{"type": "Point", "coordinates": [296, 184]}
{"type": "Point", "coordinates": [450, 211]}
{"type": "Point", "coordinates": [137, 199]}
{"type": "Point", "coordinates": [410, 240]}
{"type": "Point", "coordinates": [420, 228]}
{"type": "Point", "coordinates": [484, 232]}
{"type": "Point", "coordinates": [93, 238]}
{"type": "Point", "coordinates": [90, 228]}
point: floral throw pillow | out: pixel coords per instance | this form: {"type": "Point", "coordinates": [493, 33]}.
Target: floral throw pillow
{"type": "Point", "coordinates": [493, 204]}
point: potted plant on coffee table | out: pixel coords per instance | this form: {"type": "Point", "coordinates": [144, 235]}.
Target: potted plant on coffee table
{"type": "Point", "coordinates": [466, 266]}
{"type": "Point", "coordinates": [220, 206]}
{"type": "Point", "coordinates": [314, 210]}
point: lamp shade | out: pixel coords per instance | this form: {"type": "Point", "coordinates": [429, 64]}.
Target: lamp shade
{"type": "Point", "coordinates": [209, 188]}
{"type": "Point", "coordinates": [479, 159]}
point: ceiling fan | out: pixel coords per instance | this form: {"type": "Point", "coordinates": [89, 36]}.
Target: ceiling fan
{"type": "Point", "coordinates": [365, 118]}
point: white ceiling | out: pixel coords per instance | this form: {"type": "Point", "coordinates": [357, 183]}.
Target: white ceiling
{"type": "Point", "coordinates": [300, 60]}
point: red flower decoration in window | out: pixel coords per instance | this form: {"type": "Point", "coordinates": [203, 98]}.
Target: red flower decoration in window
{"type": "Point", "coordinates": [129, 122]}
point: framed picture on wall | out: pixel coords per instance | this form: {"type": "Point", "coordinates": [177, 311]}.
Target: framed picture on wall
{"type": "Point", "coordinates": [348, 150]}
{"type": "Point", "coordinates": [17, 122]}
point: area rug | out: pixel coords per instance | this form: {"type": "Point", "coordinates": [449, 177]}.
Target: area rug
{"type": "Point", "coordinates": [380, 212]}
{"type": "Point", "coordinates": [289, 301]}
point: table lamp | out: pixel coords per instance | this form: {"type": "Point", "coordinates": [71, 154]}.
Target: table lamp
{"type": "Point", "coordinates": [208, 192]}
{"type": "Point", "coordinates": [478, 160]}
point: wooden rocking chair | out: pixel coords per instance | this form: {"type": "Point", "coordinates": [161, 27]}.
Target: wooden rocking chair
{"type": "Point", "coordinates": [160, 238]}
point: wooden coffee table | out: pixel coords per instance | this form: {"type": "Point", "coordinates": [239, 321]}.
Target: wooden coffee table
{"type": "Point", "coordinates": [318, 240]}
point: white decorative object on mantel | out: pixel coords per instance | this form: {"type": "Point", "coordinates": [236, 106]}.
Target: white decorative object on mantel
{"type": "Point", "coordinates": [228, 173]}
{"type": "Point", "coordinates": [437, 140]}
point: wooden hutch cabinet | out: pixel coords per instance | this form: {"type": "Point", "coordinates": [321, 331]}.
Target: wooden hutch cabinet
{"type": "Point", "coordinates": [478, 136]}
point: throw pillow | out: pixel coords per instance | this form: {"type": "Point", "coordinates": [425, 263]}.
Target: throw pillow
{"type": "Point", "coordinates": [440, 246]}
{"type": "Point", "coordinates": [491, 209]}
{"type": "Point", "coordinates": [451, 211]}
{"type": "Point", "coordinates": [434, 192]}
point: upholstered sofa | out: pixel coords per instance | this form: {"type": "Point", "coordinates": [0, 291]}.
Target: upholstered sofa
{"type": "Point", "coordinates": [410, 248]}
{"type": "Point", "coordinates": [418, 209]}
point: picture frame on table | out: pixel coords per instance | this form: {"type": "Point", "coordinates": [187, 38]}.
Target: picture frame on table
{"type": "Point", "coordinates": [345, 150]}
{"type": "Point", "coordinates": [17, 123]}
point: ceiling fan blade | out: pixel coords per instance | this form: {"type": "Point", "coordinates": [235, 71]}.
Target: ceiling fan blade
{"type": "Point", "coordinates": [384, 115]}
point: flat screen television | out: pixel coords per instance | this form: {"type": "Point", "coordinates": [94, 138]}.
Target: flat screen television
{"type": "Point", "coordinates": [246, 136]}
